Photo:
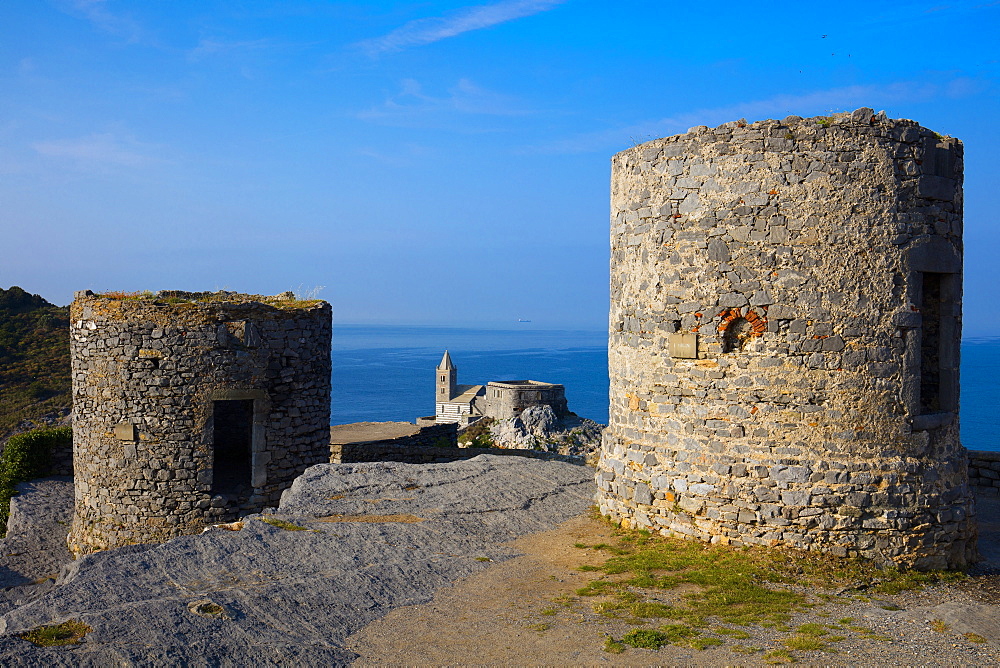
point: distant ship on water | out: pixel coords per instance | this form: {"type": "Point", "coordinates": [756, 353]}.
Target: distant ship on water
{"type": "Point", "coordinates": [522, 320]}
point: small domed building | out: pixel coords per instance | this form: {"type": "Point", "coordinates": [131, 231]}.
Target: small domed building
{"type": "Point", "coordinates": [192, 408]}
{"type": "Point", "coordinates": [786, 301]}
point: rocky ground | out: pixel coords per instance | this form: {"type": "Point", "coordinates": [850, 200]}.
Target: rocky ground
{"type": "Point", "coordinates": [475, 561]}
{"type": "Point", "coordinates": [539, 428]}
{"type": "Point", "coordinates": [348, 544]}
{"type": "Point", "coordinates": [525, 611]}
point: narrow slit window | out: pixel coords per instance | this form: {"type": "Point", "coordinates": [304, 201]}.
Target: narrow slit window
{"type": "Point", "coordinates": [233, 436]}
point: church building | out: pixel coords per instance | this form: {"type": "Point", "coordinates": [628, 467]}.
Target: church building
{"type": "Point", "coordinates": [501, 399]}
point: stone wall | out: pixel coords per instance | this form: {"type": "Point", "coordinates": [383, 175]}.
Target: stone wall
{"type": "Point", "coordinates": [379, 451]}
{"type": "Point", "coordinates": [192, 408]}
{"type": "Point", "coordinates": [984, 472]}
{"type": "Point", "coordinates": [784, 330]}
{"type": "Point", "coordinates": [506, 399]}
{"type": "Point", "coordinates": [413, 444]}
{"type": "Point", "coordinates": [62, 461]}
{"type": "Point", "coordinates": [427, 439]}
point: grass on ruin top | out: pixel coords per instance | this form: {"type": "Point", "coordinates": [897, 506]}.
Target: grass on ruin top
{"type": "Point", "coordinates": [724, 584]}
{"type": "Point", "coordinates": [287, 300]}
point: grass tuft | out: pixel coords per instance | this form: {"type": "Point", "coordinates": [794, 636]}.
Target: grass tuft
{"type": "Point", "coordinates": [744, 649]}
{"type": "Point", "coordinates": [815, 630]}
{"type": "Point", "coordinates": [283, 524]}
{"type": "Point", "coordinates": [739, 634]}
{"type": "Point", "coordinates": [778, 657]}
{"type": "Point", "coordinates": [612, 646]}
{"type": "Point", "coordinates": [646, 639]}
{"type": "Point", "coordinates": [805, 643]}
{"type": "Point", "coordinates": [69, 632]}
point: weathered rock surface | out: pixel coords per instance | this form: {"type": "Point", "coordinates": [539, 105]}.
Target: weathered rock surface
{"type": "Point", "coordinates": [379, 536]}
{"type": "Point", "coordinates": [34, 550]}
{"type": "Point", "coordinates": [539, 428]}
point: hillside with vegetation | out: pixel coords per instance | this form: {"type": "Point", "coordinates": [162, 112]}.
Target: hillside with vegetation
{"type": "Point", "coordinates": [34, 360]}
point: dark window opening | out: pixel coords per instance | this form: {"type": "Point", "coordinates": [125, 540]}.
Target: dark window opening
{"type": "Point", "coordinates": [233, 434]}
{"type": "Point", "coordinates": [737, 333]}
{"type": "Point", "coordinates": [930, 344]}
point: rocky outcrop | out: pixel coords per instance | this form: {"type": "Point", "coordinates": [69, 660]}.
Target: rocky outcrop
{"type": "Point", "coordinates": [539, 428]}
{"type": "Point", "coordinates": [348, 543]}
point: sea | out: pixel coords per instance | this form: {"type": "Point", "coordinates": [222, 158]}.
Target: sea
{"type": "Point", "coordinates": [386, 373]}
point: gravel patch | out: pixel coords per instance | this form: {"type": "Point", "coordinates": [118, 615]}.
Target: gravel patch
{"type": "Point", "coordinates": [526, 612]}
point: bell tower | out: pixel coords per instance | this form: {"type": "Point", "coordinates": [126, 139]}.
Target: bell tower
{"type": "Point", "coordinates": [447, 375]}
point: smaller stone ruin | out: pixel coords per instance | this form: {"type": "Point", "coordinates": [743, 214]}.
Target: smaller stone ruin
{"type": "Point", "coordinates": [192, 408]}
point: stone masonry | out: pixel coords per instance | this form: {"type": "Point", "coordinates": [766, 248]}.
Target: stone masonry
{"type": "Point", "coordinates": [192, 408]}
{"type": "Point", "coordinates": [507, 399]}
{"type": "Point", "coordinates": [385, 441]}
{"type": "Point", "coordinates": [784, 331]}
{"type": "Point", "coordinates": [984, 472]}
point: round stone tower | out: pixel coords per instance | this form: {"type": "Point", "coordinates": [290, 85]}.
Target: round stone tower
{"type": "Point", "coordinates": [784, 339]}
{"type": "Point", "coordinates": [192, 408]}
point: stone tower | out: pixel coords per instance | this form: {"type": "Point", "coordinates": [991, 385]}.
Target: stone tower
{"type": "Point", "coordinates": [447, 378]}
{"type": "Point", "coordinates": [786, 302]}
{"type": "Point", "coordinates": [192, 408]}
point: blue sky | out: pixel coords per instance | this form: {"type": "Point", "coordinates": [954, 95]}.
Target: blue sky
{"type": "Point", "coordinates": [427, 162]}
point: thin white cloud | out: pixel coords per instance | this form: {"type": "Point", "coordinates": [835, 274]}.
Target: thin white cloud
{"type": "Point", "coordinates": [412, 105]}
{"type": "Point", "coordinates": [98, 150]}
{"type": "Point", "coordinates": [429, 30]}
{"type": "Point", "coordinates": [404, 156]}
{"type": "Point", "coordinates": [809, 104]}
{"type": "Point", "coordinates": [97, 12]}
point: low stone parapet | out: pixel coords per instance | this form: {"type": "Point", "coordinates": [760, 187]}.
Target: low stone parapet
{"type": "Point", "coordinates": [381, 452]}
{"type": "Point", "coordinates": [984, 472]}
{"type": "Point", "coordinates": [389, 441]}
{"type": "Point", "coordinates": [405, 442]}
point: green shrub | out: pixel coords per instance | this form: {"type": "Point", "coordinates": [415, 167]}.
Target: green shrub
{"type": "Point", "coordinates": [478, 434]}
{"type": "Point", "coordinates": [442, 442]}
{"type": "Point", "coordinates": [26, 457]}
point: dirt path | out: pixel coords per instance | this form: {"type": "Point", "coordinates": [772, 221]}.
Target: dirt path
{"type": "Point", "coordinates": [525, 612]}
